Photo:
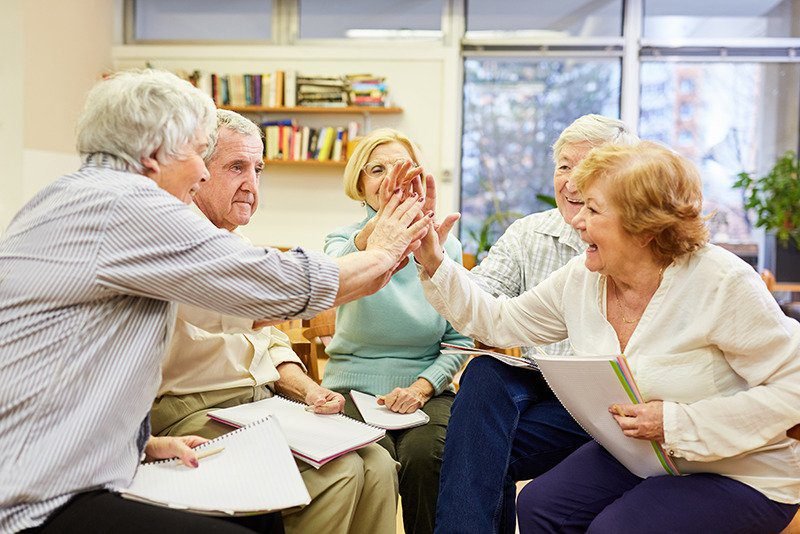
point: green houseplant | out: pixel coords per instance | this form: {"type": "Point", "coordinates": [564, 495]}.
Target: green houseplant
{"type": "Point", "coordinates": [775, 200]}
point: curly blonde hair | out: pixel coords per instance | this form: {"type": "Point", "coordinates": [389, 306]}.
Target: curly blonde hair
{"type": "Point", "coordinates": [658, 192]}
{"type": "Point", "coordinates": [362, 152]}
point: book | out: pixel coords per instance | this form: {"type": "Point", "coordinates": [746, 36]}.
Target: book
{"type": "Point", "coordinates": [255, 473]}
{"type": "Point", "coordinates": [587, 387]}
{"type": "Point", "coordinates": [376, 415]}
{"type": "Point", "coordinates": [316, 439]}
{"type": "Point", "coordinates": [522, 361]}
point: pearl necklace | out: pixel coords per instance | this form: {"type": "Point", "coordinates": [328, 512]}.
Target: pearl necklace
{"type": "Point", "coordinates": [619, 301]}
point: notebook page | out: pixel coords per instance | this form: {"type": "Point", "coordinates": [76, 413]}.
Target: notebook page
{"type": "Point", "coordinates": [254, 473]}
{"type": "Point", "coordinates": [311, 436]}
{"type": "Point", "coordinates": [381, 416]}
{"type": "Point", "coordinates": [586, 388]}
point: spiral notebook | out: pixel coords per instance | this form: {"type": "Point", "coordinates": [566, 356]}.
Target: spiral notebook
{"type": "Point", "coordinates": [316, 439]}
{"type": "Point", "coordinates": [515, 361]}
{"type": "Point", "coordinates": [587, 387]}
{"type": "Point", "coordinates": [382, 417]}
{"type": "Point", "coordinates": [254, 473]}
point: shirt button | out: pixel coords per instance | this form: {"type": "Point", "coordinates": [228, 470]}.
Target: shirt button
{"type": "Point", "coordinates": [671, 452]}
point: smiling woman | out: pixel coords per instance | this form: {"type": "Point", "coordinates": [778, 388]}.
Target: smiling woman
{"type": "Point", "coordinates": [650, 285]}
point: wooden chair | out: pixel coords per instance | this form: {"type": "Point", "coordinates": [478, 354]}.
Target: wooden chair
{"type": "Point", "coordinates": [318, 332]}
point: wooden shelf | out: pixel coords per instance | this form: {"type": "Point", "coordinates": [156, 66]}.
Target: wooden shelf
{"type": "Point", "coordinates": [303, 163]}
{"type": "Point", "coordinates": [365, 110]}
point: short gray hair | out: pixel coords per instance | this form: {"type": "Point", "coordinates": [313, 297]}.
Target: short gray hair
{"type": "Point", "coordinates": [135, 114]}
{"type": "Point", "coordinates": [596, 130]}
{"type": "Point", "coordinates": [235, 122]}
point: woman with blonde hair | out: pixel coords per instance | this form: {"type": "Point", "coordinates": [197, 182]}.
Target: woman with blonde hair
{"type": "Point", "coordinates": [714, 357]}
{"type": "Point", "coordinates": [389, 344]}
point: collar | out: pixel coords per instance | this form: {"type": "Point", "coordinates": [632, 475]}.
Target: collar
{"type": "Point", "coordinates": [107, 161]}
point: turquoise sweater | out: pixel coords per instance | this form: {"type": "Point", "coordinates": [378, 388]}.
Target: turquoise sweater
{"type": "Point", "coordinates": [391, 338]}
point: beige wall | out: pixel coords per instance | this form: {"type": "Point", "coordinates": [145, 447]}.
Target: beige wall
{"type": "Point", "coordinates": [11, 116]}
{"type": "Point", "coordinates": [67, 47]}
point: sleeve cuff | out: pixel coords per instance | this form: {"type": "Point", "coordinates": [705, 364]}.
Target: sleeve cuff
{"type": "Point", "coordinates": [438, 379]}
{"type": "Point", "coordinates": [323, 276]}
{"type": "Point", "coordinates": [671, 432]}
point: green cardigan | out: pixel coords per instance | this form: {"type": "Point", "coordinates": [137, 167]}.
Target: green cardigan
{"type": "Point", "coordinates": [391, 338]}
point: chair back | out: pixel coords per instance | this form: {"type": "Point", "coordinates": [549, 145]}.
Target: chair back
{"type": "Point", "coordinates": [318, 331]}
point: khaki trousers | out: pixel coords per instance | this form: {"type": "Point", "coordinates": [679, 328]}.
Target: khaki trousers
{"type": "Point", "coordinates": [356, 493]}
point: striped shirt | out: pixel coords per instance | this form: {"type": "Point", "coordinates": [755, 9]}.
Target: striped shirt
{"type": "Point", "coordinates": [88, 270]}
{"type": "Point", "coordinates": [527, 253]}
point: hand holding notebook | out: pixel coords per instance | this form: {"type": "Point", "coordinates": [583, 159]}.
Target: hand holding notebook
{"type": "Point", "coordinates": [244, 472]}
{"type": "Point", "coordinates": [376, 415]}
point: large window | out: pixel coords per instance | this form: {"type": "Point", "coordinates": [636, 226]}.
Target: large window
{"type": "Point", "coordinates": [726, 117]}
{"type": "Point", "coordinates": [200, 20]}
{"type": "Point", "coordinates": [370, 19]}
{"type": "Point", "coordinates": [718, 81]}
{"type": "Point", "coordinates": [514, 109]}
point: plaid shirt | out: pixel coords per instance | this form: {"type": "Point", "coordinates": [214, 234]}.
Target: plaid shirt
{"type": "Point", "coordinates": [531, 249]}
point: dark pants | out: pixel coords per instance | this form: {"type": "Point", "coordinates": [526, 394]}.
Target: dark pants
{"type": "Point", "coordinates": [592, 492]}
{"type": "Point", "coordinates": [506, 425]}
{"type": "Point", "coordinates": [419, 451]}
{"type": "Point", "coordinates": [102, 512]}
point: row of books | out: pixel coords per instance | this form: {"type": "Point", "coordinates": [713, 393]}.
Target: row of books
{"type": "Point", "coordinates": [289, 89]}
{"type": "Point", "coordinates": [286, 140]}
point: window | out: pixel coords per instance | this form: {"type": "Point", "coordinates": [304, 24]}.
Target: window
{"type": "Point", "coordinates": [514, 109]}
{"type": "Point", "coordinates": [576, 18]}
{"type": "Point", "coordinates": [739, 116]}
{"type": "Point", "coordinates": [370, 19]}
{"type": "Point", "coordinates": [201, 20]}
{"type": "Point", "coordinates": [670, 19]}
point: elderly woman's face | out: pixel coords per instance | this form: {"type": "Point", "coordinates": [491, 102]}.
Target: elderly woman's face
{"type": "Point", "coordinates": [182, 175]}
{"type": "Point", "coordinates": [379, 164]}
{"type": "Point", "coordinates": [599, 223]}
{"type": "Point", "coordinates": [567, 198]}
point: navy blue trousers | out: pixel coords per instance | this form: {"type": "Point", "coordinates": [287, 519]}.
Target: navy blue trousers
{"type": "Point", "coordinates": [592, 492]}
{"type": "Point", "coordinates": [505, 425]}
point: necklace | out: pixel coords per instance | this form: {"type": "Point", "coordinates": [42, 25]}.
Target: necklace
{"type": "Point", "coordinates": [619, 300]}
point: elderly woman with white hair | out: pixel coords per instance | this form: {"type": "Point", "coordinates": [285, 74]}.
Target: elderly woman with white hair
{"type": "Point", "coordinates": [504, 415]}
{"type": "Point", "coordinates": [90, 269]}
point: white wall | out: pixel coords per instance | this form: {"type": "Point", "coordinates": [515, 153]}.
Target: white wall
{"type": "Point", "coordinates": [300, 205]}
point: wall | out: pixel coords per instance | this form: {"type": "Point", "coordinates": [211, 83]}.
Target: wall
{"type": "Point", "coordinates": [299, 206]}
{"type": "Point", "coordinates": [67, 46]}
{"type": "Point", "coordinates": [11, 111]}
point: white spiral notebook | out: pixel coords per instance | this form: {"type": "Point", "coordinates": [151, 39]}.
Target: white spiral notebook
{"type": "Point", "coordinates": [254, 473]}
{"type": "Point", "coordinates": [382, 417]}
{"type": "Point", "coordinates": [316, 439]}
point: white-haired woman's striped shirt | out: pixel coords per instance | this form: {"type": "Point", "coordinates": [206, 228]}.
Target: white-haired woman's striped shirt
{"type": "Point", "coordinates": [89, 269]}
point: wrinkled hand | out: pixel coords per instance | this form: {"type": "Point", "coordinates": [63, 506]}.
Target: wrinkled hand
{"type": "Point", "coordinates": [641, 421]}
{"type": "Point", "coordinates": [161, 448]}
{"type": "Point", "coordinates": [324, 400]}
{"type": "Point", "coordinates": [400, 226]}
{"type": "Point", "coordinates": [402, 177]}
{"type": "Point", "coordinates": [404, 400]}
{"type": "Point", "coordinates": [430, 253]}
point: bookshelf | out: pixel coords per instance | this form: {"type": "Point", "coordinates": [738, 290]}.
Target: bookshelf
{"type": "Point", "coordinates": [364, 111]}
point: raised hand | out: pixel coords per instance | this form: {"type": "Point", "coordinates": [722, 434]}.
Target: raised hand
{"type": "Point", "coordinates": [399, 228]}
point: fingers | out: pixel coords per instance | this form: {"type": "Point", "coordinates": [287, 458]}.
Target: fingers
{"type": "Point", "coordinates": [185, 453]}
{"type": "Point", "coordinates": [402, 400]}
{"type": "Point", "coordinates": [446, 225]}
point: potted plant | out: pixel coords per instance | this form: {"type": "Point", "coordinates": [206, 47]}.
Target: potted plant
{"type": "Point", "coordinates": [775, 200]}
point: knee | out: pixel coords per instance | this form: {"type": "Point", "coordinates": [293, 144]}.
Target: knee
{"type": "Point", "coordinates": [345, 472]}
{"type": "Point", "coordinates": [379, 467]}
{"type": "Point", "coordinates": [421, 450]}
{"type": "Point", "coordinates": [478, 374]}
{"type": "Point", "coordinates": [533, 504]}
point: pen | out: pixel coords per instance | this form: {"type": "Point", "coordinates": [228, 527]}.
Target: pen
{"type": "Point", "coordinates": [209, 452]}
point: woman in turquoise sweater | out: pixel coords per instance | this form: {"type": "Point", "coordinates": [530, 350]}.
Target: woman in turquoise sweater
{"type": "Point", "coordinates": [389, 343]}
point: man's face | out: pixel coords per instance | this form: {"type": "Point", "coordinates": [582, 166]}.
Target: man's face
{"type": "Point", "coordinates": [230, 197]}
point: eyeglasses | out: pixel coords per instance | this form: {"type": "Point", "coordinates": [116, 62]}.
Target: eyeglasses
{"type": "Point", "coordinates": [379, 169]}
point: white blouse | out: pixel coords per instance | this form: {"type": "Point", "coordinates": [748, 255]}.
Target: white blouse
{"type": "Point", "coordinates": [712, 344]}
